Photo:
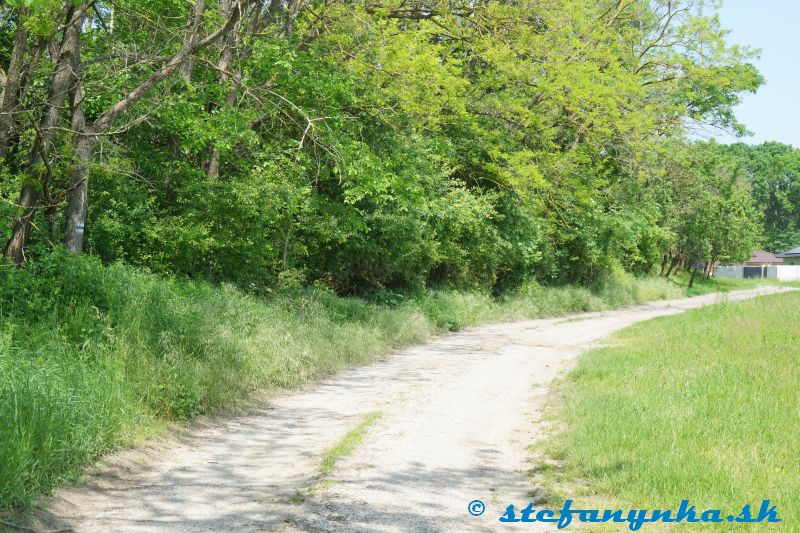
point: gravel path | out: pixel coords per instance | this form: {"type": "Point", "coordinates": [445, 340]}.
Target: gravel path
{"type": "Point", "coordinates": [458, 416]}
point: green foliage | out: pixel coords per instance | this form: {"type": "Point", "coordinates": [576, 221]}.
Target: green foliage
{"type": "Point", "coordinates": [706, 210]}
{"type": "Point", "coordinates": [371, 148]}
{"type": "Point", "coordinates": [773, 170]}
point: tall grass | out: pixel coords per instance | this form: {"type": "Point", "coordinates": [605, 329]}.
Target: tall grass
{"type": "Point", "coordinates": [94, 357]}
{"type": "Point", "coordinates": [700, 406]}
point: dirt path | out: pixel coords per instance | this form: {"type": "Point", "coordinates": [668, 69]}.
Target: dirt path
{"type": "Point", "coordinates": [457, 416]}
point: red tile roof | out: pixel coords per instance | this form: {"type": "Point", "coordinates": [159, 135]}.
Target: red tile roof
{"type": "Point", "coordinates": [761, 257]}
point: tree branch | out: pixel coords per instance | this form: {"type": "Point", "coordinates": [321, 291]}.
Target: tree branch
{"type": "Point", "coordinates": [105, 120]}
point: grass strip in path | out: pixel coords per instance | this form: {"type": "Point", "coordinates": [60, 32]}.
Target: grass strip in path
{"type": "Point", "coordinates": [348, 444]}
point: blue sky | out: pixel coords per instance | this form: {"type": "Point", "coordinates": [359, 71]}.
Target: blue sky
{"type": "Point", "coordinates": [773, 114]}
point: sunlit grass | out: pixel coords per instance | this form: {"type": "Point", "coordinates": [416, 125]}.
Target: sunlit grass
{"type": "Point", "coordinates": [700, 406]}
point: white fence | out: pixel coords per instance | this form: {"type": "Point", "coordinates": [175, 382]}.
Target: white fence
{"type": "Point", "coordinates": [779, 272]}
{"type": "Point", "coordinates": [729, 272]}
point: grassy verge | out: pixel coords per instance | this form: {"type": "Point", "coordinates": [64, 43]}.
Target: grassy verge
{"type": "Point", "coordinates": [700, 406]}
{"type": "Point", "coordinates": [93, 358]}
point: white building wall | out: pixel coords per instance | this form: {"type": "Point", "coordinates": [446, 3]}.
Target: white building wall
{"type": "Point", "coordinates": [787, 272]}
{"type": "Point", "coordinates": [779, 272]}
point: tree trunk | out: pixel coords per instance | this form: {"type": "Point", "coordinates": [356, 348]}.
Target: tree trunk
{"type": "Point", "coordinates": [672, 265]}
{"type": "Point", "coordinates": [224, 65]}
{"type": "Point", "coordinates": [11, 143]}
{"type": "Point", "coordinates": [273, 12]}
{"type": "Point", "coordinates": [21, 227]}
{"type": "Point", "coordinates": [190, 38]}
{"type": "Point", "coordinates": [50, 215]}
{"type": "Point", "coordinates": [62, 81]}
{"type": "Point", "coordinates": [664, 260]}
{"type": "Point", "coordinates": [691, 280]}
{"type": "Point", "coordinates": [78, 197]}
{"type": "Point", "coordinates": [285, 249]}
{"type": "Point", "coordinates": [11, 93]}
{"type": "Point", "coordinates": [30, 67]}
{"type": "Point", "coordinates": [83, 143]}
{"type": "Point", "coordinates": [709, 269]}
{"type": "Point", "coordinates": [293, 9]}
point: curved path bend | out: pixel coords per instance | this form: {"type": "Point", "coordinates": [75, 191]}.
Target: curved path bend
{"type": "Point", "coordinates": [458, 416]}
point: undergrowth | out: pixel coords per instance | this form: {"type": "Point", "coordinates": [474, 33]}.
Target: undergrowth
{"type": "Point", "coordinates": [96, 357]}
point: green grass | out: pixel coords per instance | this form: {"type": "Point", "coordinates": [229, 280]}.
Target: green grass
{"type": "Point", "coordinates": [94, 358]}
{"type": "Point", "coordinates": [720, 284]}
{"type": "Point", "coordinates": [702, 406]}
{"type": "Point", "coordinates": [344, 447]}
{"type": "Point", "coordinates": [348, 443]}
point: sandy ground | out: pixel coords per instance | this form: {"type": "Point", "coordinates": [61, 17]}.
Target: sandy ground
{"type": "Point", "coordinates": [458, 416]}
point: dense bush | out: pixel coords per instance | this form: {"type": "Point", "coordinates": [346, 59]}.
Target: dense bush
{"type": "Point", "coordinates": [92, 357]}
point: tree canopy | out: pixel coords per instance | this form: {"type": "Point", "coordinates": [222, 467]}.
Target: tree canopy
{"type": "Point", "coordinates": [773, 169]}
{"type": "Point", "coordinates": [389, 144]}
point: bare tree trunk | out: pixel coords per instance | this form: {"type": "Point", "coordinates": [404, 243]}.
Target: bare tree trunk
{"type": "Point", "coordinates": [30, 66]}
{"type": "Point", "coordinates": [50, 215]}
{"type": "Point", "coordinates": [256, 18]}
{"type": "Point", "coordinates": [291, 15]}
{"type": "Point", "coordinates": [11, 143]}
{"type": "Point", "coordinates": [62, 80]}
{"type": "Point", "coordinates": [21, 227]}
{"type": "Point", "coordinates": [709, 269]}
{"type": "Point", "coordinates": [285, 249]}
{"type": "Point", "coordinates": [12, 84]}
{"type": "Point", "coordinates": [78, 196]}
{"type": "Point", "coordinates": [664, 260]}
{"type": "Point", "coordinates": [190, 38]}
{"type": "Point", "coordinates": [274, 10]}
{"type": "Point", "coordinates": [79, 179]}
{"type": "Point", "coordinates": [224, 64]}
